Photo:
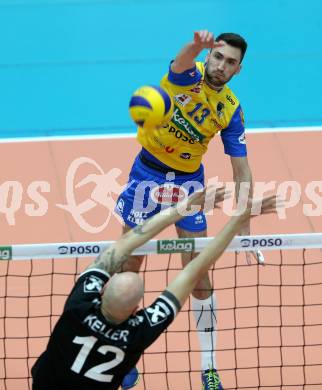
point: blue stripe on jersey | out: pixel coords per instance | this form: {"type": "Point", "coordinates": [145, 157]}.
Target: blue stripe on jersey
{"type": "Point", "coordinates": [188, 77]}
{"type": "Point", "coordinates": [233, 137]}
{"type": "Point", "coordinates": [166, 99]}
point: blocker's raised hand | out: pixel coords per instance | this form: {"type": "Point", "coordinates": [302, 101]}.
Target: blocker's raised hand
{"type": "Point", "coordinates": [205, 200]}
{"type": "Point", "coordinates": [255, 207]}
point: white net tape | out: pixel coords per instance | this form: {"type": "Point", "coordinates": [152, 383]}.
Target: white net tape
{"type": "Point", "coordinates": [90, 249]}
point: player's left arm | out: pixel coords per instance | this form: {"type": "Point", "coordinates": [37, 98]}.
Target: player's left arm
{"type": "Point", "coordinates": [244, 185]}
{"type": "Point", "coordinates": [234, 141]}
{"type": "Point", "coordinates": [242, 176]}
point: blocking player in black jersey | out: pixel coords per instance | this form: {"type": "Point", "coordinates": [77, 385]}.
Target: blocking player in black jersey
{"type": "Point", "coordinates": [100, 336]}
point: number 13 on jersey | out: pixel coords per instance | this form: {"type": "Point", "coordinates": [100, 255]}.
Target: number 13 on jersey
{"type": "Point", "coordinates": [200, 115]}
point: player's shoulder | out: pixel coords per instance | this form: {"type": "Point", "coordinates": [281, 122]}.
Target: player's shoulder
{"type": "Point", "coordinates": [87, 289]}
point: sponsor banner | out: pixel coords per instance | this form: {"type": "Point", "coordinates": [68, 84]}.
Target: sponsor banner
{"type": "Point", "coordinates": [92, 249]}
{"type": "Point", "coordinates": [69, 250]}
{"type": "Point", "coordinates": [262, 242]}
{"type": "Point", "coordinates": [176, 246]}
{"type": "Point", "coordinates": [5, 252]}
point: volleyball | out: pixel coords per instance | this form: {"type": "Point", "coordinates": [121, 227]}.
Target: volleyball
{"type": "Point", "coordinates": [150, 107]}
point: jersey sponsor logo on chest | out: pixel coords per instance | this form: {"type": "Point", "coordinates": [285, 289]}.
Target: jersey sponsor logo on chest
{"type": "Point", "coordinates": [180, 135]}
{"type": "Point", "coordinates": [179, 120]}
{"type": "Point", "coordinates": [95, 324]}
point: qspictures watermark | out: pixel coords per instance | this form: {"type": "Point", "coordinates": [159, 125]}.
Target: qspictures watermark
{"type": "Point", "coordinates": [105, 187]}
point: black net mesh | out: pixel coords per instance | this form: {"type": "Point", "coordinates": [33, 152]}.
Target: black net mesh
{"type": "Point", "coordinates": [269, 321]}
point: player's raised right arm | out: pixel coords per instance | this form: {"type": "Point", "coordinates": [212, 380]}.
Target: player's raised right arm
{"type": "Point", "coordinates": [185, 60]}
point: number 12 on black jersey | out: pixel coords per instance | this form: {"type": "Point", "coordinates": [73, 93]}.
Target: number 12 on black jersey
{"type": "Point", "coordinates": [96, 372]}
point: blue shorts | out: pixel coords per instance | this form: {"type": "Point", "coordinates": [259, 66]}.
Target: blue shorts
{"type": "Point", "coordinates": [148, 191]}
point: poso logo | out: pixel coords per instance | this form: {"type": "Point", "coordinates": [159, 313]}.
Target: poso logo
{"type": "Point", "coordinates": [179, 135]}
{"type": "Point", "coordinates": [79, 250]}
{"type": "Point", "coordinates": [262, 242]}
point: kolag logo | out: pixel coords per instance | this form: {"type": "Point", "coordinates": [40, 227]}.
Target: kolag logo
{"type": "Point", "coordinates": [176, 246]}
{"type": "Point", "coordinates": [5, 252]}
{"type": "Point", "coordinates": [179, 120]}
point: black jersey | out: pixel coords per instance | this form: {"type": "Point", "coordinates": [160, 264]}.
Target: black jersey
{"type": "Point", "coordinates": [85, 351]}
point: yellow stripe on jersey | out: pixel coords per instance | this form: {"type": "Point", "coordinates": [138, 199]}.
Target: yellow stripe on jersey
{"type": "Point", "coordinates": [199, 113]}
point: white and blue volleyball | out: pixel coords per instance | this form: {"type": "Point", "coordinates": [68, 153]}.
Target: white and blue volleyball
{"type": "Point", "coordinates": [150, 107]}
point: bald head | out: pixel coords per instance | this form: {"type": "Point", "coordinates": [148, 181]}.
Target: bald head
{"type": "Point", "coordinates": [122, 295]}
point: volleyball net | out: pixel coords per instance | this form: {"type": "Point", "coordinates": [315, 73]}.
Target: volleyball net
{"type": "Point", "coordinates": [269, 318]}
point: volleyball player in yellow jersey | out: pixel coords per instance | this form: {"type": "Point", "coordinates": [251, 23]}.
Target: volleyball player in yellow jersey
{"type": "Point", "coordinates": [204, 106]}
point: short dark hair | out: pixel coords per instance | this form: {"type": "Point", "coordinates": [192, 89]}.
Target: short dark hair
{"type": "Point", "coordinates": [234, 40]}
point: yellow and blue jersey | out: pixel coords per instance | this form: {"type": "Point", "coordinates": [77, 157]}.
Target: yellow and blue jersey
{"type": "Point", "coordinates": [199, 114]}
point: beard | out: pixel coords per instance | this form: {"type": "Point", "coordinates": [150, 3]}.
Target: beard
{"type": "Point", "coordinates": [217, 82]}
